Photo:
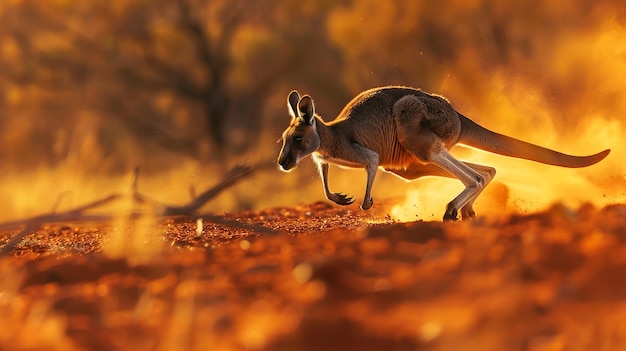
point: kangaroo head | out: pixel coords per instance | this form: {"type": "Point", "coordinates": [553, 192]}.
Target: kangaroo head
{"type": "Point", "coordinates": [300, 139]}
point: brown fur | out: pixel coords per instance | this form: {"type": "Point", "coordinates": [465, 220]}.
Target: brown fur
{"type": "Point", "coordinates": [408, 132]}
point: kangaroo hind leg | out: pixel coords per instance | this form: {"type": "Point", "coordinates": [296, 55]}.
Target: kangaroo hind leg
{"type": "Point", "coordinates": [428, 148]}
{"type": "Point", "coordinates": [433, 152]}
{"type": "Point", "coordinates": [474, 182]}
{"type": "Point", "coordinates": [424, 131]}
{"type": "Point", "coordinates": [418, 170]}
{"type": "Point", "coordinates": [467, 211]}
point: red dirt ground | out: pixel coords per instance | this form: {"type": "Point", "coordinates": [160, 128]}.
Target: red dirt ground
{"type": "Point", "coordinates": [324, 278]}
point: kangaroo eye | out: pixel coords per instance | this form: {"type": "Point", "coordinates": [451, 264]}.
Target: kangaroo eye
{"type": "Point", "coordinates": [297, 140]}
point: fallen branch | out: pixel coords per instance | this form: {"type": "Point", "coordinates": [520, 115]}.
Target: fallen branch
{"type": "Point", "coordinates": [231, 178]}
{"type": "Point", "coordinates": [65, 216]}
{"type": "Point", "coordinates": [235, 175]}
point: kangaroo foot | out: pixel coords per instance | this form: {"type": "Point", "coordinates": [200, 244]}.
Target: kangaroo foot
{"type": "Point", "coordinates": [367, 204]}
{"type": "Point", "coordinates": [467, 212]}
{"type": "Point", "coordinates": [452, 213]}
{"type": "Point", "coordinates": [341, 198]}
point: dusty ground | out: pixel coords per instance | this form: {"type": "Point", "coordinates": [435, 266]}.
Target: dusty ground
{"type": "Point", "coordinates": [323, 278]}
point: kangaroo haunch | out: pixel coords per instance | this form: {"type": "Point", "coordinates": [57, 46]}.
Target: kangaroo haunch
{"type": "Point", "coordinates": [407, 132]}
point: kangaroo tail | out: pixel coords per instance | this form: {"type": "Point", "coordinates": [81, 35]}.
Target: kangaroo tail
{"type": "Point", "coordinates": [474, 135]}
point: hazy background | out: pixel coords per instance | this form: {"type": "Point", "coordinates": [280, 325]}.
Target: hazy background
{"type": "Point", "coordinates": [184, 89]}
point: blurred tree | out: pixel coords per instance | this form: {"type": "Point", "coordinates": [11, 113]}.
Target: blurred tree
{"type": "Point", "coordinates": [189, 75]}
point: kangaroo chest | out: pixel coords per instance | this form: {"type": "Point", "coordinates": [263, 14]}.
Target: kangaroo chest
{"type": "Point", "coordinates": [343, 160]}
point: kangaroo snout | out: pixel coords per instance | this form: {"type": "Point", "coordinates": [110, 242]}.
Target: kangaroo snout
{"type": "Point", "coordinates": [286, 162]}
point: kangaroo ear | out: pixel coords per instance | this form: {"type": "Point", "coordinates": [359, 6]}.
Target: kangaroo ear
{"type": "Point", "coordinates": [292, 103]}
{"type": "Point", "coordinates": [306, 110]}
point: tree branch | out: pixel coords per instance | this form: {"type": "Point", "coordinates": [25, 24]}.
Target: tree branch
{"type": "Point", "coordinates": [235, 175]}
{"type": "Point", "coordinates": [232, 177]}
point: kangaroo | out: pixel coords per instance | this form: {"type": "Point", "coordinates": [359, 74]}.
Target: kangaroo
{"type": "Point", "coordinates": [407, 132]}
